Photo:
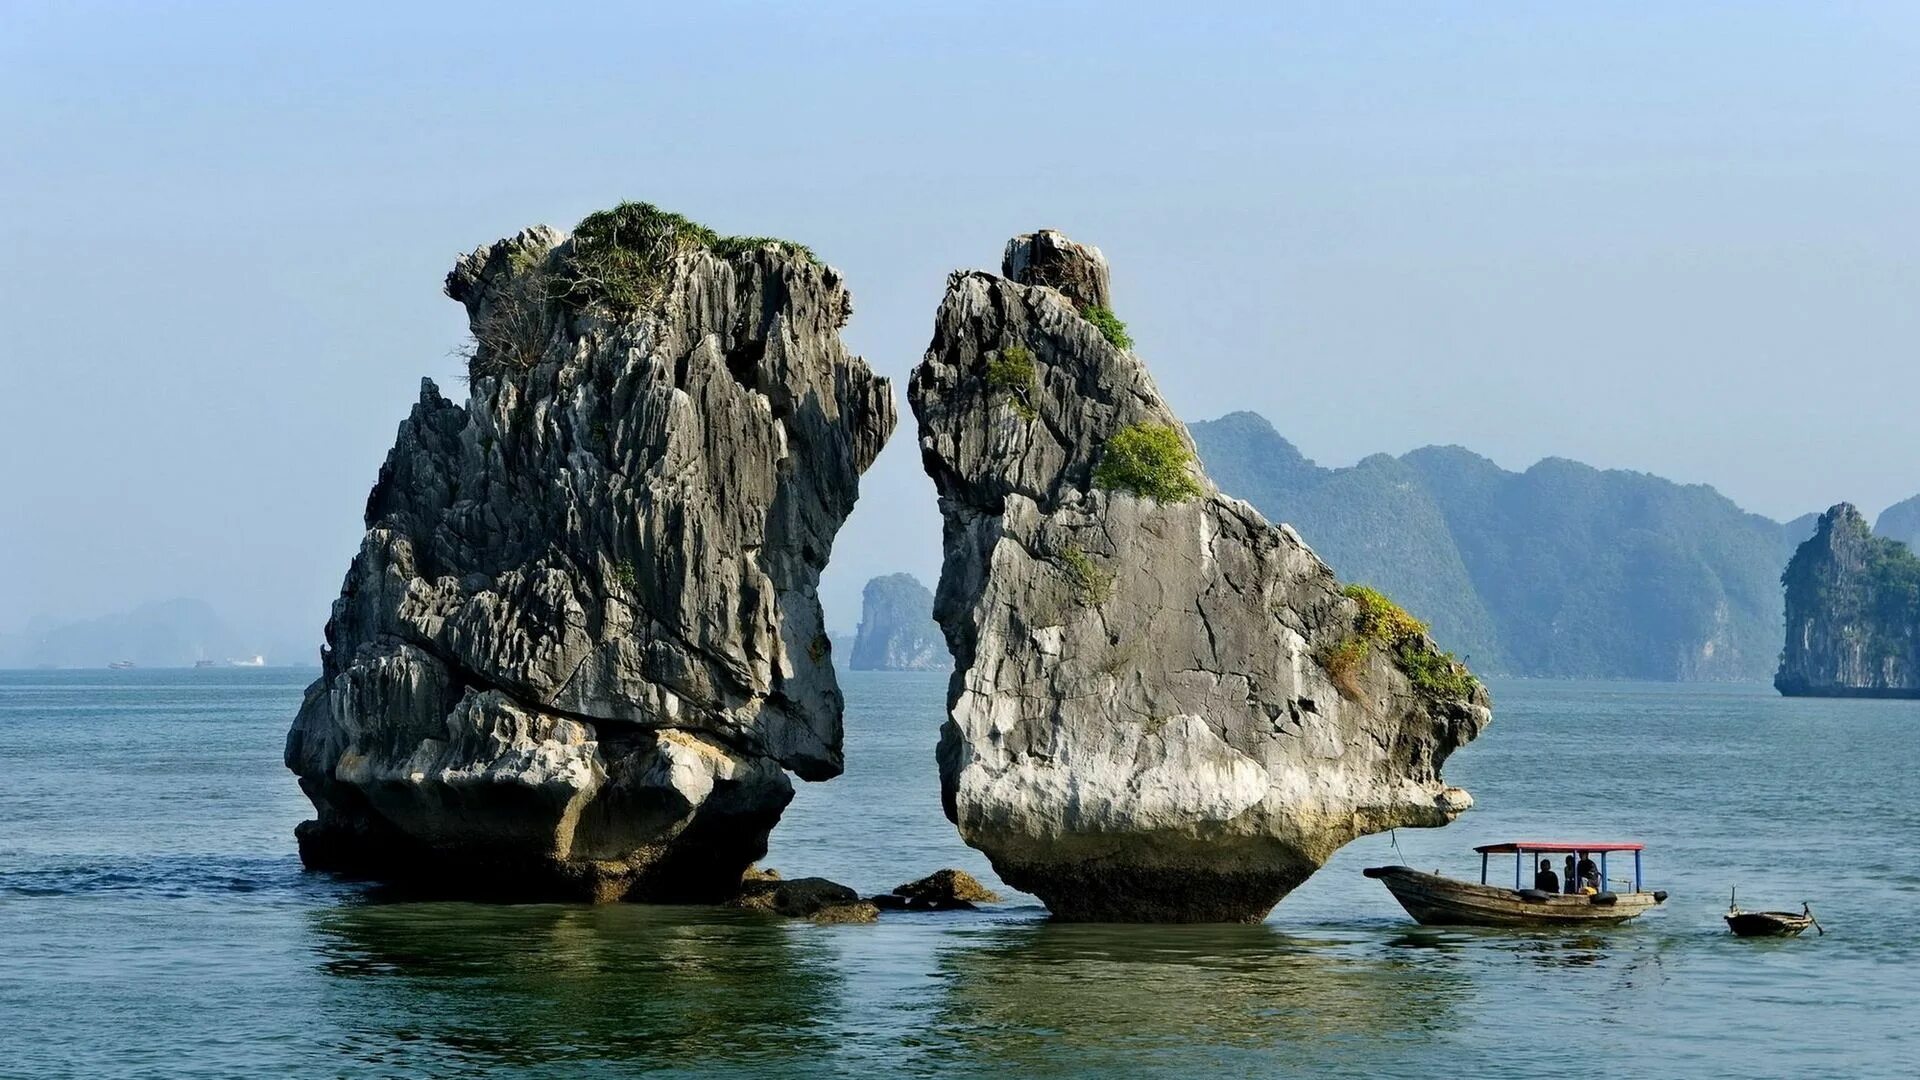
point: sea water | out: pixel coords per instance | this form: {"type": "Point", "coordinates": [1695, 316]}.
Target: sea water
{"type": "Point", "coordinates": [154, 920]}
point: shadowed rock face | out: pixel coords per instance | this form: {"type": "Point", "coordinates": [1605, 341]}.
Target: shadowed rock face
{"type": "Point", "coordinates": [1141, 723]}
{"type": "Point", "coordinates": [580, 646]}
{"type": "Point", "coordinates": [1853, 614]}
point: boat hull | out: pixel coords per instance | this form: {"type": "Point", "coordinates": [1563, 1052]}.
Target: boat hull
{"type": "Point", "coordinates": [1434, 900]}
{"type": "Point", "coordinates": [1767, 923]}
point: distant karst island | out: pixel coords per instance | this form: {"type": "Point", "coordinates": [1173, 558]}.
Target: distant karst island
{"type": "Point", "coordinates": [897, 631]}
{"type": "Point", "coordinates": [1853, 613]}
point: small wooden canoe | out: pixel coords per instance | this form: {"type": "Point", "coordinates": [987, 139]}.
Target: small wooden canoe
{"type": "Point", "coordinates": [1434, 900]}
{"type": "Point", "coordinates": [1769, 923]}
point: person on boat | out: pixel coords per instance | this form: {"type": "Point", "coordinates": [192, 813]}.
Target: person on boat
{"type": "Point", "coordinates": [1589, 874]}
{"type": "Point", "coordinates": [1573, 883]}
{"type": "Point", "coordinates": [1545, 879]}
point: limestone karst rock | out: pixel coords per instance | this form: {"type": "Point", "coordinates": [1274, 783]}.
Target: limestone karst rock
{"type": "Point", "coordinates": [897, 631]}
{"type": "Point", "coordinates": [1853, 613]}
{"type": "Point", "coordinates": [580, 647]}
{"type": "Point", "coordinates": [1163, 707]}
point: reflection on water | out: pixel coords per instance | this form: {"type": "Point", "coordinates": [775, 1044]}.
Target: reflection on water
{"type": "Point", "coordinates": [1074, 998]}
{"type": "Point", "coordinates": [553, 985]}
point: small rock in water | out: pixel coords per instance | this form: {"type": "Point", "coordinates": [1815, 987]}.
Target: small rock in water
{"type": "Point", "coordinates": [859, 911]}
{"type": "Point", "coordinates": [800, 898]}
{"type": "Point", "coordinates": [942, 890]}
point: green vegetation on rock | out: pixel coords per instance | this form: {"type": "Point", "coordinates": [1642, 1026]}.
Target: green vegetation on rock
{"type": "Point", "coordinates": [1382, 624]}
{"type": "Point", "coordinates": [1091, 584]}
{"type": "Point", "coordinates": [1109, 325]}
{"type": "Point", "coordinates": [1149, 460]}
{"type": "Point", "coordinates": [728, 247]}
{"type": "Point", "coordinates": [620, 258]}
{"type": "Point", "coordinates": [1012, 371]}
{"type": "Point", "coordinates": [1381, 621]}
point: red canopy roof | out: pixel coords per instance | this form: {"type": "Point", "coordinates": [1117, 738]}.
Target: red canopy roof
{"type": "Point", "coordinates": [1557, 845]}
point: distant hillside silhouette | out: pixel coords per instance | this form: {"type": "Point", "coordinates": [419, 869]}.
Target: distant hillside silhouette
{"type": "Point", "coordinates": [1563, 570]}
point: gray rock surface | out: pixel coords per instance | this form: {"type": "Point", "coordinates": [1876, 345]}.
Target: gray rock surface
{"type": "Point", "coordinates": [580, 649]}
{"type": "Point", "coordinates": [1142, 723]}
{"type": "Point", "coordinates": [897, 631]}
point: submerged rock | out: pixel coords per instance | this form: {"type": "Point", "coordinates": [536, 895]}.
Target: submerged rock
{"type": "Point", "coordinates": [580, 649]}
{"type": "Point", "coordinates": [1853, 614]}
{"type": "Point", "coordinates": [1163, 707]}
{"type": "Point", "coordinates": [897, 631]}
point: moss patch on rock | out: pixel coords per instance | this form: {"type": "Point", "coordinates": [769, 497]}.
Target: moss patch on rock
{"type": "Point", "coordinates": [1092, 585]}
{"type": "Point", "coordinates": [1012, 372]}
{"type": "Point", "coordinates": [1381, 623]}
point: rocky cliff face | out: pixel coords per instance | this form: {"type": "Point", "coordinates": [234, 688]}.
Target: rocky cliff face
{"type": "Point", "coordinates": [1163, 707]}
{"type": "Point", "coordinates": [897, 631]}
{"type": "Point", "coordinates": [1853, 614]}
{"type": "Point", "coordinates": [579, 647]}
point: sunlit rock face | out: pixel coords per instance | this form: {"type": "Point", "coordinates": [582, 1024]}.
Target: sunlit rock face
{"type": "Point", "coordinates": [580, 649]}
{"type": "Point", "coordinates": [1142, 721]}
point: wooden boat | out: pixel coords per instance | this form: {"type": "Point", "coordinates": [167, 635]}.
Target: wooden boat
{"type": "Point", "coordinates": [1435, 900]}
{"type": "Point", "coordinates": [1769, 923]}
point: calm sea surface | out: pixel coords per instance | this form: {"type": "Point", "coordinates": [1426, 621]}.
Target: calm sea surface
{"type": "Point", "coordinates": [154, 920]}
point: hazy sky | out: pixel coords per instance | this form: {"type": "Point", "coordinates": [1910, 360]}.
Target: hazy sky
{"type": "Point", "coordinates": [1671, 237]}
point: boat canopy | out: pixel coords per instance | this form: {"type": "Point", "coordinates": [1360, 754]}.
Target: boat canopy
{"type": "Point", "coordinates": [1520, 849]}
{"type": "Point", "coordinates": [1556, 846]}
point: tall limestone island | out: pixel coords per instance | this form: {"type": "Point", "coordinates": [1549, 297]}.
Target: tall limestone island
{"type": "Point", "coordinates": [1163, 707]}
{"type": "Point", "coordinates": [1853, 614]}
{"type": "Point", "coordinates": [897, 631]}
{"type": "Point", "coordinates": [580, 646]}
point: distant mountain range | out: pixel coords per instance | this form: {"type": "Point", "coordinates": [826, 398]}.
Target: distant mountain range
{"type": "Point", "coordinates": [171, 633]}
{"type": "Point", "coordinates": [1901, 522]}
{"type": "Point", "coordinates": [1562, 571]}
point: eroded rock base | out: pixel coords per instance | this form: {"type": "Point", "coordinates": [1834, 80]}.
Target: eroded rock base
{"type": "Point", "coordinates": [1087, 892]}
{"type": "Point", "coordinates": [696, 869]}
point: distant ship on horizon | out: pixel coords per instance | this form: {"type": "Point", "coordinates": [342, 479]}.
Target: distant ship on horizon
{"type": "Point", "coordinates": [120, 665]}
{"type": "Point", "coordinates": [255, 661]}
